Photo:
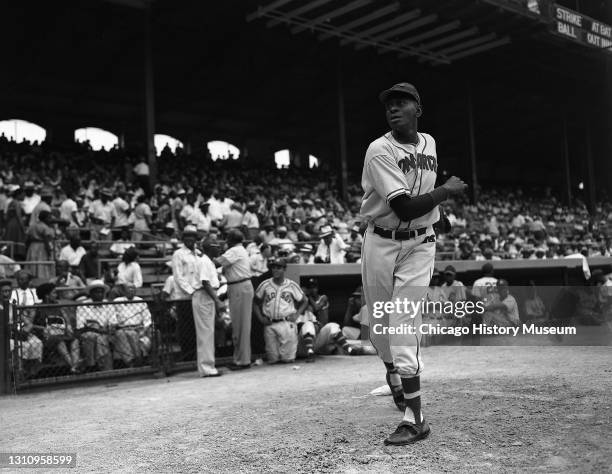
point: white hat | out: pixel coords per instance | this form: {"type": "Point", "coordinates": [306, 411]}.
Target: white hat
{"type": "Point", "coordinates": [325, 231]}
{"type": "Point", "coordinates": [190, 230]}
{"type": "Point", "coordinates": [97, 284]}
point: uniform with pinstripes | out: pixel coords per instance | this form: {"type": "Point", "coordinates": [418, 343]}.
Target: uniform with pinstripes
{"type": "Point", "coordinates": [393, 269]}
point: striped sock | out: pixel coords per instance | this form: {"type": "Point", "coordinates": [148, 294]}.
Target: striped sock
{"type": "Point", "coordinates": [308, 342]}
{"type": "Point", "coordinates": [412, 398]}
{"type": "Point", "coordinates": [340, 341]}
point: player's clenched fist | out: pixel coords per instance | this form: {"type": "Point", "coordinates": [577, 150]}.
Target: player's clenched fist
{"type": "Point", "coordinates": [455, 185]}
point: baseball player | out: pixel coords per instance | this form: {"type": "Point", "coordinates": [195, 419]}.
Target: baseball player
{"type": "Point", "coordinates": [401, 203]}
{"type": "Point", "coordinates": [275, 307]}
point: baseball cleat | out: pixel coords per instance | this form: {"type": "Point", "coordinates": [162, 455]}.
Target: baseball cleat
{"type": "Point", "coordinates": [408, 433]}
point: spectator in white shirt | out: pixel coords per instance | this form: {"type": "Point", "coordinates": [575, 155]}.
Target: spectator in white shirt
{"type": "Point", "coordinates": [119, 247]}
{"type": "Point", "coordinates": [331, 247]}
{"type": "Point", "coordinates": [250, 221]}
{"type": "Point", "coordinates": [31, 198]}
{"type": "Point", "coordinates": [68, 211]}
{"type": "Point", "coordinates": [73, 252]}
{"type": "Point", "coordinates": [132, 341]}
{"type": "Point", "coordinates": [122, 209]}
{"type": "Point", "coordinates": [102, 214]}
{"type": "Point", "coordinates": [201, 218]}
{"type": "Point", "coordinates": [128, 271]}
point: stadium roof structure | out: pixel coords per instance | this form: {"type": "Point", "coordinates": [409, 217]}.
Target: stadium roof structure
{"type": "Point", "coordinates": [272, 74]}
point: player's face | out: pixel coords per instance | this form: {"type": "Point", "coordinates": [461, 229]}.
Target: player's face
{"type": "Point", "coordinates": [401, 111]}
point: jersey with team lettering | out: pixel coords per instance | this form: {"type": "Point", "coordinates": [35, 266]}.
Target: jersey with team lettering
{"type": "Point", "coordinates": [391, 169]}
{"type": "Point", "coordinates": [279, 300]}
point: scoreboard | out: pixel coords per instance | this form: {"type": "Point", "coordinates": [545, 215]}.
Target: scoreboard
{"type": "Point", "coordinates": [580, 28]}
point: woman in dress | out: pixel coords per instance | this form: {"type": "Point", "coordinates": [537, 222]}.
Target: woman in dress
{"type": "Point", "coordinates": [142, 218]}
{"type": "Point", "coordinates": [15, 230]}
{"type": "Point", "coordinates": [40, 236]}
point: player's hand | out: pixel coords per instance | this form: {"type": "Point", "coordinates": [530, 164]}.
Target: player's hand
{"type": "Point", "coordinates": [455, 185]}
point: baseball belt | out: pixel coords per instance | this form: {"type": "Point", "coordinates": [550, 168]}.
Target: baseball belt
{"type": "Point", "coordinates": [399, 234]}
{"type": "Point", "coordinates": [237, 281]}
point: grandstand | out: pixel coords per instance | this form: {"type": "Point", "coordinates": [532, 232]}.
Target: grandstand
{"type": "Point", "coordinates": [516, 108]}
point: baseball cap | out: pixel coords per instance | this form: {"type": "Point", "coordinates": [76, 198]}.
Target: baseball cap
{"type": "Point", "coordinates": [277, 262]}
{"type": "Point", "coordinates": [190, 230]}
{"type": "Point", "coordinates": [400, 88]}
{"type": "Point", "coordinates": [450, 269]}
{"type": "Point", "coordinates": [312, 283]}
{"type": "Point", "coordinates": [307, 248]}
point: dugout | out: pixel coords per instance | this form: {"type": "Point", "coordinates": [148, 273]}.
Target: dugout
{"type": "Point", "coordinates": [509, 99]}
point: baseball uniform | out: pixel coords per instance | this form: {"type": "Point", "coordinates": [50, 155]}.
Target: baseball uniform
{"type": "Point", "coordinates": [395, 269]}
{"type": "Point", "coordinates": [278, 303]}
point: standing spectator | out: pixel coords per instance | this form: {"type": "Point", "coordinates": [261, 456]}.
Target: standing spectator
{"type": "Point", "coordinates": [142, 218]}
{"type": "Point", "coordinates": [307, 255]}
{"type": "Point", "coordinates": [15, 230]}
{"type": "Point", "coordinates": [188, 210]}
{"type": "Point", "coordinates": [55, 328]}
{"type": "Point", "coordinates": [237, 270]}
{"type": "Point", "coordinates": [141, 170]}
{"type": "Point", "coordinates": [233, 219]}
{"type": "Point", "coordinates": [201, 219]}
{"type": "Point", "coordinates": [89, 266]}
{"type": "Point", "coordinates": [122, 209]}
{"type": "Point", "coordinates": [30, 200]}
{"type": "Point", "coordinates": [68, 210]}
{"type": "Point", "coordinates": [186, 272]}
{"type": "Point", "coordinates": [128, 271]}
{"type": "Point", "coordinates": [73, 252]}
{"type": "Point", "coordinates": [355, 241]}
{"type": "Point", "coordinates": [96, 323]}
{"type": "Point", "coordinates": [250, 221]}
{"type": "Point", "coordinates": [46, 196]}
{"type": "Point", "coordinates": [102, 215]}
{"type": "Point", "coordinates": [331, 247]}
{"type": "Point", "coordinates": [205, 305]}
{"type": "Point", "coordinates": [41, 237]}
{"type": "Point", "coordinates": [259, 260]}
{"type": "Point", "coordinates": [132, 340]}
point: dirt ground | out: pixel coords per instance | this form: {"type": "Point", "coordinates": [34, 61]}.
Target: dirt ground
{"type": "Point", "coordinates": [501, 409]}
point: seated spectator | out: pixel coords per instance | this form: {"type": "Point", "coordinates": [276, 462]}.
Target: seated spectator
{"type": "Point", "coordinates": [306, 254]}
{"type": "Point", "coordinates": [128, 271]}
{"type": "Point", "coordinates": [535, 310]}
{"type": "Point", "coordinates": [453, 289]}
{"type": "Point", "coordinates": [503, 310]}
{"type": "Point", "coordinates": [281, 241]}
{"type": "Point", "coordinates": [53, 326]}
{"type": "Point", "coordinates": [317, 304]}
{"type": "Point", "coordinates": [331, 247]}
{"type": "Point", "coordinates": [132, 340]}
{"type": "Point", "coordinates": [89, 266]}
{"type": "Point", "coordinates": [355, 242]}
{"type": "Point", "coordinates": [119, 246]}
{"type": "Point", "coordinates": [29, 347]}
{"type": "Point", "coordinates": [351, 327]}
{"type": "Point", "coordinates": [95, 324]}
{"type": "Point", "coordinates": [142, 219]}
{"type": "Point", "coordinates": [250, 221]}
{"type": "Point", "coordinates": [73, 252]}
{"type": "Point", "coordinates": [70, 285]}
{"type": "Point", "coordinates": [8, 267]}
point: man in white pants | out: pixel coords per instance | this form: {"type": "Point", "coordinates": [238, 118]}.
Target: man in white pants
{"type": "Point", "coordinates": [400, 203]}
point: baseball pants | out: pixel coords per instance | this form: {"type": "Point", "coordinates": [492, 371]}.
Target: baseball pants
{"type": "Point", "coordinates": [281, 340]}
{"type": "Point", "coordinates": [241, 308]}
{"type": "Point", "coordinates": [395, 270]}
{"type": "Point", "coordinates": [204, 321]}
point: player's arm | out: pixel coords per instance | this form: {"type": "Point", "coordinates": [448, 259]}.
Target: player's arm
{"type": "Point", "coordinates": [408, 208]}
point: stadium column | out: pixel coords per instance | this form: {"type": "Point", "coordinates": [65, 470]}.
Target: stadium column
{"type": "Point", "coordinates": [472, 144]}
{"type": "Point", "coordinates": [566, 162]}
{"type": "Point", "coordinates": [149, 98]}
{"type": "Point", "coordinates": [342, 129]}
